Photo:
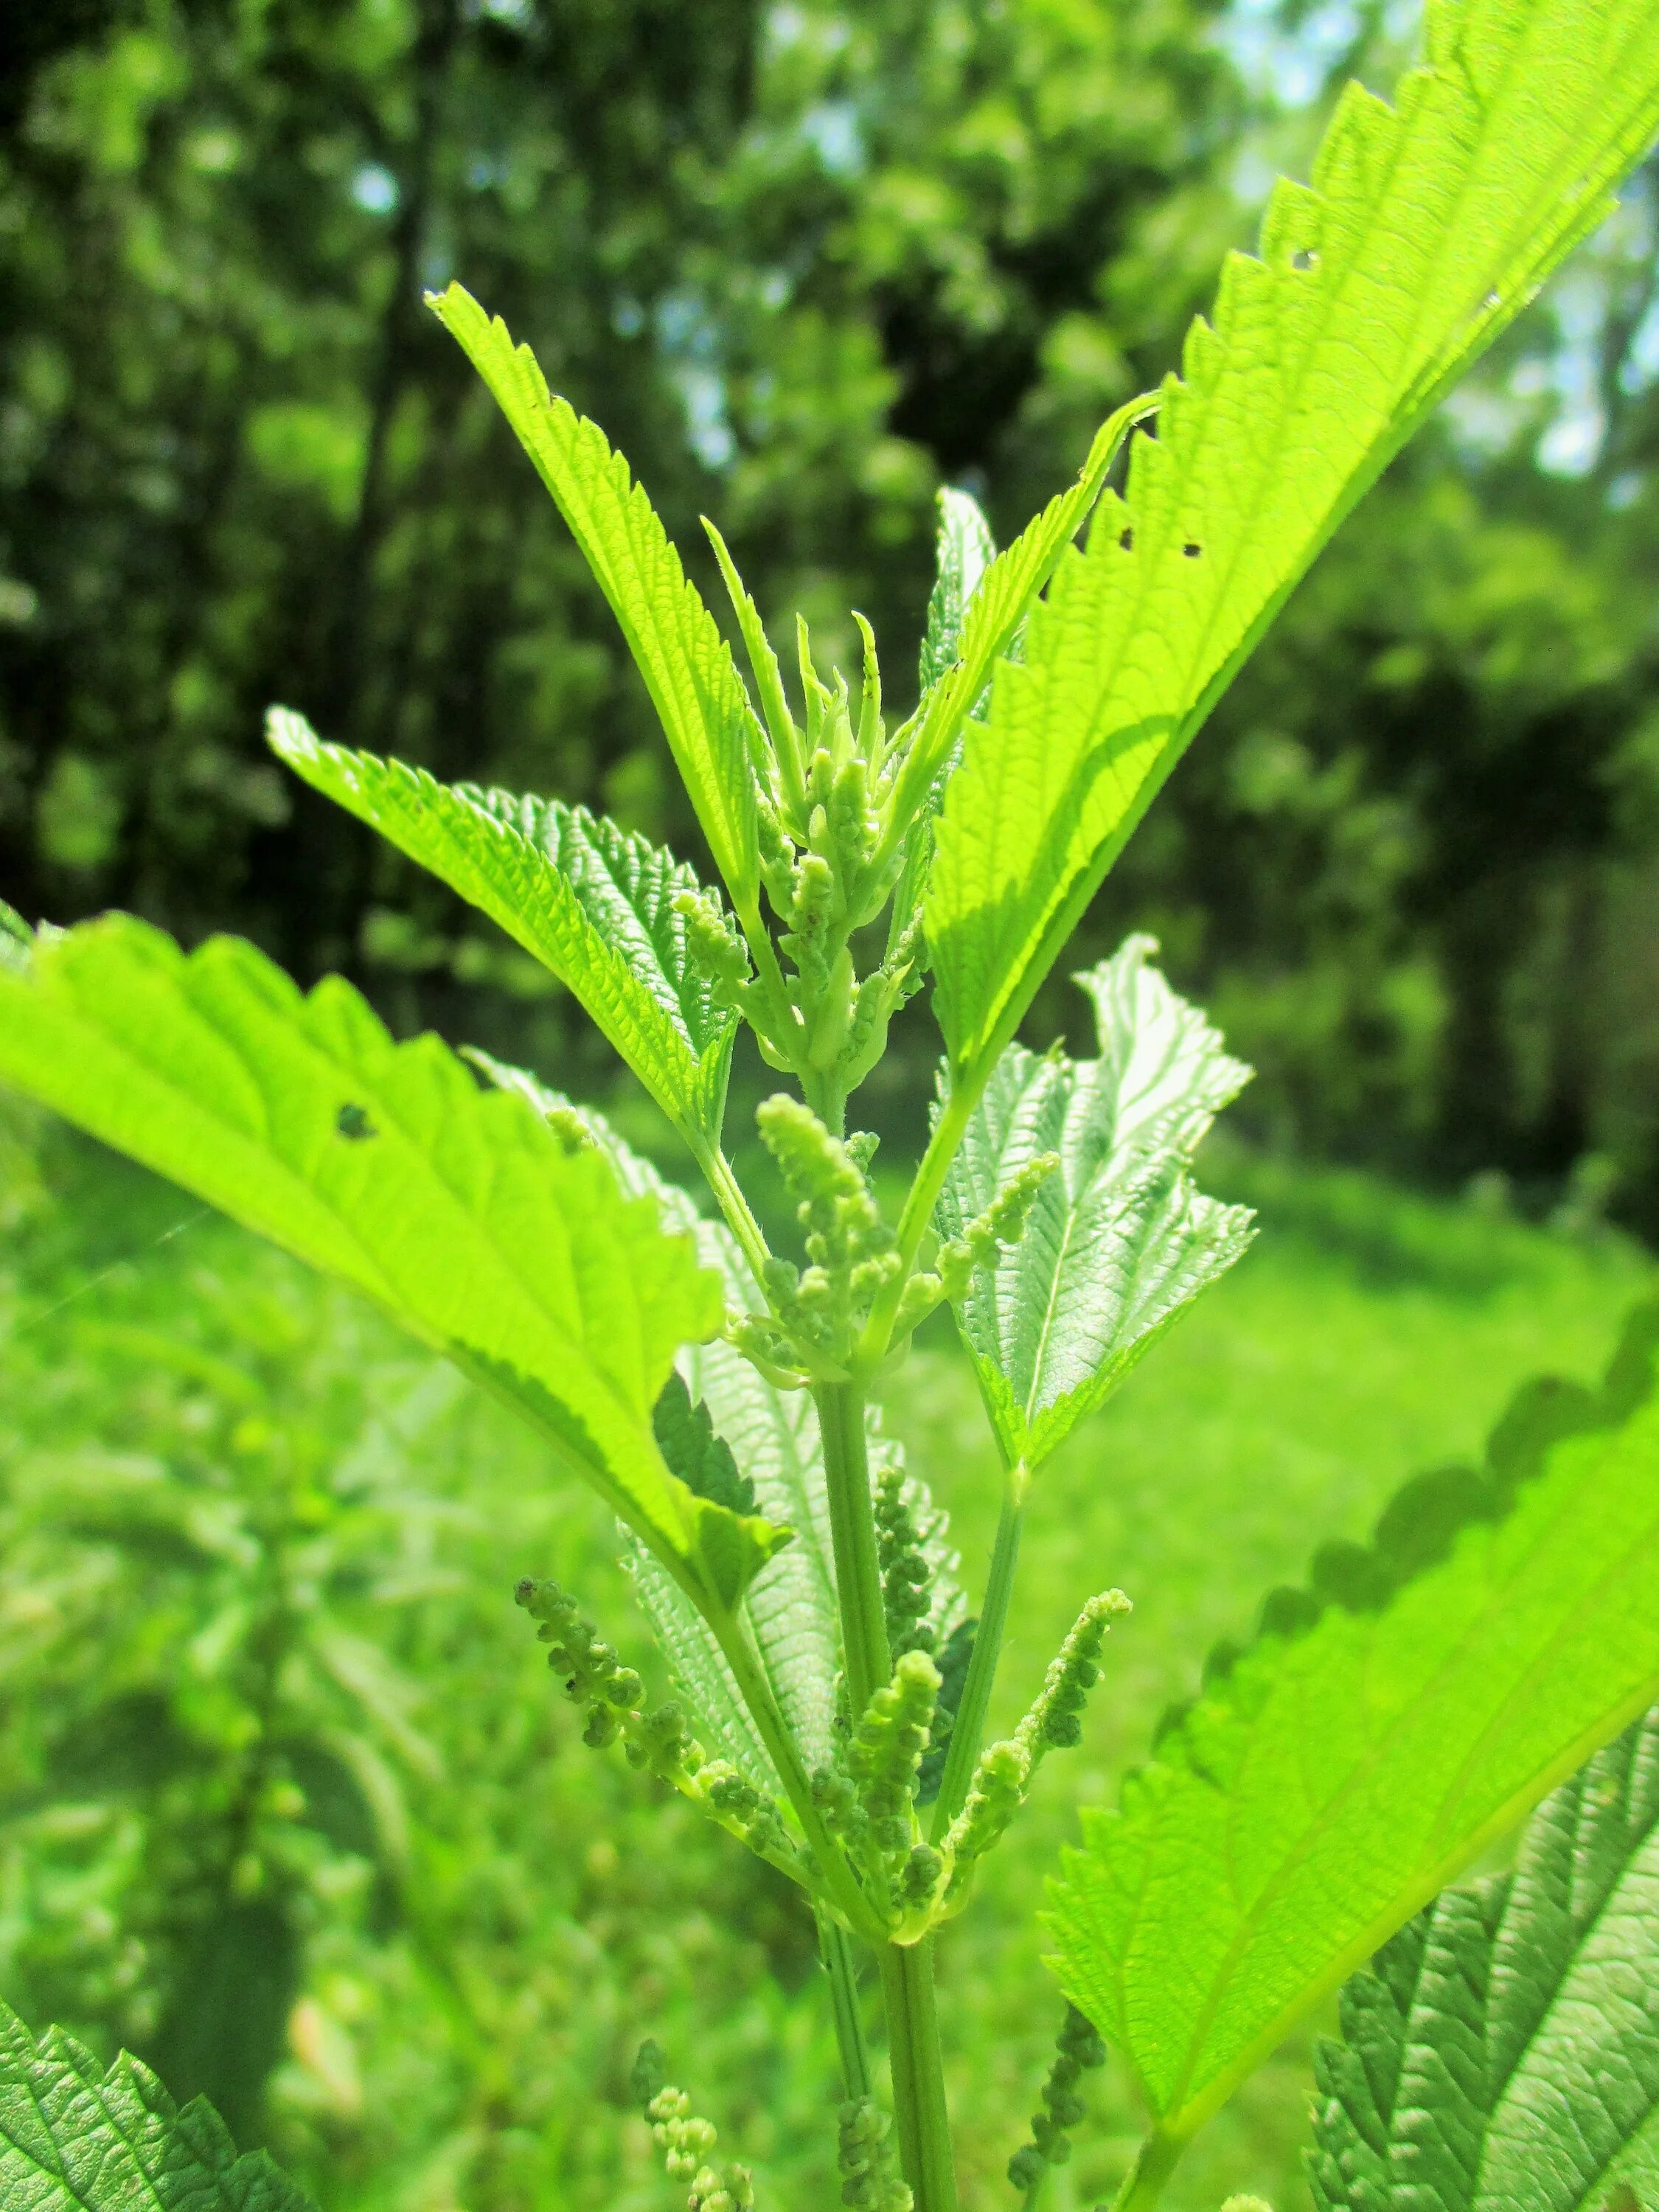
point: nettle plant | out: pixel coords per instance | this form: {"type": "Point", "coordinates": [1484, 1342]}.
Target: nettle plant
{"type": "Point", "coordinates": [1389, 1721]}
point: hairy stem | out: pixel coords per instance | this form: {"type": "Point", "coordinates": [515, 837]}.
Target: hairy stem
{"type": "Point", "coordinates": [919, 2106]}
{"type": "Point", "coordinates": [739, 1216]}
{"type": "Point", "coordinates": [1144, 2183]}
{"type": "Point", "coordinates": [969, 1727]}
{"type": "Point", "coordinates": [840, 1964]}
{"type": "Point", "coordinates": [869, 1659]}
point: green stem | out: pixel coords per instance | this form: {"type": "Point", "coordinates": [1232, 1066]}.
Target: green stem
{"type": "Point", "coordinates": [756, 1694]}
{"type": "Point", "coordinates": [948, 1132]}
{"type": "Point", "coordinates": [969, 1730]}
{"type": "Point", "coordinates": [919, 2106]}
{"type": "Point", "coordinates": [907, 1971]}
{"type": "Point", "coordinates": [835, 1949]}
{"type": "Point", "coordinates": [1144, 2183]}
{"type": "Point", "coordinates": [739, 1216]}
{"type": "Point", "coordinates": [869, 1659]}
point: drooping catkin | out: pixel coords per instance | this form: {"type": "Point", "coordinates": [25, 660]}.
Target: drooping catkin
{"type": "Point", "coordinates": [1080, 2050]}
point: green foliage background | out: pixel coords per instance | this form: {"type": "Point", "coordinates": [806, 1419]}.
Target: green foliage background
{"type": "Point", "coordinates": [285, 1802]}
{"type": "Point", "coordinates": [804, 261]}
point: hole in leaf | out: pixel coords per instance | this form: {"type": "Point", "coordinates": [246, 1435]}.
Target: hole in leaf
{"type": "Point", "coordinates": [1305, 258]}
{"type": "Point", "coordinates": [1192, 549]}
{"type": "Point", "coordinates": [1127, 540]}
{"type": "Point", "coordinates": [352, 1121]}
{"type": "Point", "coordinates": [1492, 300]}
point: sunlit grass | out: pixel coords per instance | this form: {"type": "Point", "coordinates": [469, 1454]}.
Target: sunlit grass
{"type": "Point", "coordinates": [463, 2045]}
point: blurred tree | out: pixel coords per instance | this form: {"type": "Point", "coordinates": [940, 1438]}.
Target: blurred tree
{"type": "Point", "coordinates": [803, 260]}
{"type": "Point", "coordinates": [799, 258]}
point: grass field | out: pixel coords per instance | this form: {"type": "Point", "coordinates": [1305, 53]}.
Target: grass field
{"type": "Point", "coordinates": [455, 1983]}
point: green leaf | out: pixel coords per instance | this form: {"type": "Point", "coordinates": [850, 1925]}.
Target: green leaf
{"type": "Point", "coordinates": [76, 2138]}
{"type": "Point", "coordinates": [456, 1209]}
{"type": "Point", "coordinates": [594, 904]}
{"type": "Point", "coordinates": [966, 549]}
{"type": "Point", "coordinates": [1387, 1725]}
{"type": "Point", "coordinates": [999, 607]}
{"type": "Point", "coordinates": [1118, 1241]}
{"type": "Point", "coordinates": [687, 666]}
{"type": "Point", "coordinates": [1503, 2053]}
{"type": "Point", "coordinates": [1427, 227]}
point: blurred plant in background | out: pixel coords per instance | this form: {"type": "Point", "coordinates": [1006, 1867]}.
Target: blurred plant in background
{"type": "Point", "coordinates": [807, 261]}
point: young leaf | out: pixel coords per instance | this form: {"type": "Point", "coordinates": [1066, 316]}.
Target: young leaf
{"type": "Point", "coordinates": [74, 2137]}
{"type": "Point", "coordinates": [1427, 227]}
{"type": "Point", "coordinates": [1384, 1728]}
{"type": "Point", "coordinates": [1503, 2053]}
{"type": "Point", "coordinates": [965, 550]}
{"type": "Point", "coordinates": [1118, 1241]}
{"type": "Point", "coordinates": [999, 606]}
{"type": "Point", "coordinates": [456, 1209]}
{"type": "Point", "coordinates": [593, 904]}
{"type": "Point", "coordinates": [687, 666]}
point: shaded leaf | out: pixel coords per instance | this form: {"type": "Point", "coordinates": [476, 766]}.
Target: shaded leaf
{"type": "Point", "coordinates": [1387, 1725]}
{"type": "Point", "coordinates": [1427, 227]}
{"type": "Point", "coordinates": [1501, 2053]}
{"type": "Point", "coordinates": [1118, 1241]}
{"type": "Point", "coordinates": [592, 902]}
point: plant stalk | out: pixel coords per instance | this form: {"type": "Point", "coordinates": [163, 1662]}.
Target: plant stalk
{"type": "Point", "coordinates": [919, 2106]}
{"type": "Point", "coordinates": [869, 1658]}
{"type": "Point", "coordinates": [739, 1215]}
{"type": "Point", "coordinates": [970, 1728]}
{"type": "Point", "coordinates": [840, 1965]}
{"type": "Point", "coordinates": [948, 1132]}
{"type": "Point", "coordinates": [1144, 2183]}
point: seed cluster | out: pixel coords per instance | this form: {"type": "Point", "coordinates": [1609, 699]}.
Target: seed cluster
{"type": "Point", "coordinates": [1081, 2050]}
{"type": "Point", "coordinates": [611, 1694]}
{"type": "Point", "coordinates": [850, 1250]}
{"type": "Point", "coordinates": [1003, 1777]}
{"type": "Point", "coordinates": [686, 2142]}
{"type": "Point", "coordinates": [868, 2180]}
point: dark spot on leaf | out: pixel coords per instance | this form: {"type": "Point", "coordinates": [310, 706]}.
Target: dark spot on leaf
{"type": "Point", "coordinates": [1305, 258]}
{"type": "Point", "coordinates": [353, 1121]}
{"type": "Point", "coordinates": [1127, 540]}
{"type": "Point", "coordinates": [1192, 549]}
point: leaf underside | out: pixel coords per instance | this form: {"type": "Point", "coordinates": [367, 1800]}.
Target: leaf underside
{"type": "Point", "coordinates": [1386, 1725]}
{"type": "Point", "coordinates": [1118, 1241]}
{"type": "Point", "coordinates": [590, 902]}
{"type": "Point", "coordinates": [456, 1209]}
{"type": "Point", "coordinates": [1502, 2054]}
{"type": "Point", "coordinates": [1426, 228]}
{"type": "Point", "coordinates": [966, 549]}
{"type": "Point", "coordinates": [687, 666]}
{"type": "Point", "coordinates": [74, 2137]}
